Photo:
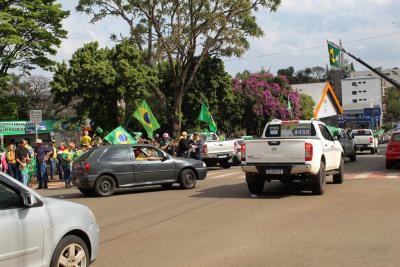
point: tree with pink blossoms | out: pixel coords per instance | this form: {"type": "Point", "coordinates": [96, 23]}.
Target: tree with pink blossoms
{"type": "Point", "coordinates": [264, 97]}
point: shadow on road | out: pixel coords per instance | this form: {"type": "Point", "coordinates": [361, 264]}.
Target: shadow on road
{"type": "Point", "coordinates": [273, 190]}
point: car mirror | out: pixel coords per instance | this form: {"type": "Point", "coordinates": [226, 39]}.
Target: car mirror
{"type": "Point", "coordinates": [29, 200]}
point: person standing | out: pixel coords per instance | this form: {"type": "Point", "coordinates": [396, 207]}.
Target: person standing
{"type": "Point", "coordinates": [86, 139]}
{"type": "Point", "coordinates": [68, 156]}
{"type": "Point", "coordinates": [42, 156]}
{"type": "Point", "coordinates": [3, 160]}
{"type": "Point", "coordinates": [11, 160]}
{"type": "Point", "coordinates": [53, 160]}
{"type": "Point", "coordinates": [60, 160]}
{"type": "Point", "coordinates": [198, 143]}
{"type": "Point", "coordinates": [21, 153]}
{"type": "Point", "coordinates": [183, 146]}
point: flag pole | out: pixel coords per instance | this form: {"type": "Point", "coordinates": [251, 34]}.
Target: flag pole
{"type": "Point", "coordinates": [379, 73]}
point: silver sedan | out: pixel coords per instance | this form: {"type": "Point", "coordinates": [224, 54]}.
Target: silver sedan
{"type": "Point", "coordinates": [38, 231]}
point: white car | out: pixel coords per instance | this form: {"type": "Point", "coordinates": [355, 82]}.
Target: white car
{"type": "Point", "coordinates": [293, 150]}
{"type": "Point", "coordinates": [364, 139]}
{"type": "Point", "coordinates": [38, 231]}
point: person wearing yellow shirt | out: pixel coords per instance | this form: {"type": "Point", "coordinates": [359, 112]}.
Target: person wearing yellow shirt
{"type": "Point", "coordinates": [53, 159]}
{"type": "Point", "coordinates": [86, 139]}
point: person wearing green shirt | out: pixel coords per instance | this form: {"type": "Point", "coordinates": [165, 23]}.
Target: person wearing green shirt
{"type": "Point", "coordinates": [68, 156]}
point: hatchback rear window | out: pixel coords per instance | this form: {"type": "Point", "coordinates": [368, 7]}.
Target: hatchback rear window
{"type": "Point", "coordinates": [116, 154]}
{"type": "Point", "coordinates": [290, 130]}
{"type": "Point", "coordinates": [87, 154]}
{"type": "Point", "coordinates": [396, 137]}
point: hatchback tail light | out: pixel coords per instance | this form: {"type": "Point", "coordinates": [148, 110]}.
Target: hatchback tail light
{"type": "Point", "coordinates": [243, 152]}
{"type": "Point", "coordinates": [87, 167]}
{"type": "Point", "coordinates": [205, 149]}
{"type": "Point", "coordinates": [308, 149]}
{"type": "Point", "coordinates": [371, 140]}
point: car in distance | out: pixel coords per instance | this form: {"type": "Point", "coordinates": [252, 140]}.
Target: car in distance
{"type": "Point", "coordinates": [101, 170]}
{"type": "Point", "coordinates": [37, 231]}
{"type": "Point", "coordinates": [293, 150]}
{"type": "Point", "coordinates": [393, 151]}
{"type": "Point", "coordinates": [348, 145]}
{"type": "Point", "coordinates": [365, 140]}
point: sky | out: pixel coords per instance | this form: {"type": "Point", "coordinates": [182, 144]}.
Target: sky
{"type": "Point", "coordinates": [370, 29]}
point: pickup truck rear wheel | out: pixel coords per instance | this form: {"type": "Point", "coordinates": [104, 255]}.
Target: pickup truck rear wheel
{"type": "Point", "coordinates": [338, 178]}
{"type": "Point", "coordinates": [318, 185]}
{"type": "Point", "coordinates": [255, 183]}
{"type": "Point", "coordinates": [225, 164]}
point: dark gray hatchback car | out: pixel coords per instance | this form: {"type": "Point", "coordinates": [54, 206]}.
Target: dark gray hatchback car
{"type": "Point", "coordinates": [101, 170]}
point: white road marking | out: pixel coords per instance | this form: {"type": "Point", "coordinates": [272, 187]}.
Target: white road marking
{"type": "Point", "coordinates": [393, 175]}
{"type": "Point", "coordinates": [363, 175]}
{"type": "Point", "coordinates": [225, 175]}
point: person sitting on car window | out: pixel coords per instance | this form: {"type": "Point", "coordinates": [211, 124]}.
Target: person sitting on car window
{"type": "Point", "coordinates": [139, 155]}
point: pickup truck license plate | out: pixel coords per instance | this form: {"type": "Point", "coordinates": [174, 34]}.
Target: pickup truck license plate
{"type": "Point", "coordinates": [222, 156]}
{"type": "Point", "coordinates": [274, 171]}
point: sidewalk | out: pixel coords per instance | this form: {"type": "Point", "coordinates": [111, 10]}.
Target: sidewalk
{"type": "Point", "coordinates": [56, 183]}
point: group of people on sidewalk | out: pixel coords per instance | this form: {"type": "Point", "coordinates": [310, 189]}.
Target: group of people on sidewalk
{"type": "Point", "coordinates": [22, 162]}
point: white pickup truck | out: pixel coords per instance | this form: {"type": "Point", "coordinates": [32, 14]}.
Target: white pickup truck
{"type": "Point", "coordinates": [216, 151]}
{"type": "Point", "coordinates": [364, 140]}
{"type": "Point", "coordinates": [293, 150]}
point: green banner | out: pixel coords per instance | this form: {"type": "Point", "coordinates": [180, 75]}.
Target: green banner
{"type": "Point", "coordinates": [27, 127]}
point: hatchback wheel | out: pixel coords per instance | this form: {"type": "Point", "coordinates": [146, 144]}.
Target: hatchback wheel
{"type": "Point", "coordinates": [71, 251]}
{"type": "Point", "coordinates": [104, 186]}
{"type": "Point", "coordinates": [187, 179]}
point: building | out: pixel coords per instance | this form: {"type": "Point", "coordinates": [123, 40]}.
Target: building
{"type": "Point", "coordinates": [362, 99]}
{"type": "Point", "coordinates": [392, 73]}
{"type": "Point", "coordinates": [327, 106]}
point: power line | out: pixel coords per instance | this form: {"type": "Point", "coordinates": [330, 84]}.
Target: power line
{"type": "Point", "coordinates": [314, 47]}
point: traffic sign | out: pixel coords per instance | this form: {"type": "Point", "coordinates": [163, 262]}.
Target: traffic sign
{"type": "Point", "coordinates": [35, 115]}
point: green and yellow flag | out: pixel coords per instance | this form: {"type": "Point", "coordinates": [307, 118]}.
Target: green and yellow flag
{"type": "Point", "coordinates": [144, 115]}
{"type": "Point", "coordinates": [334, 52]}
{"type": "Point", "coordinates": [206, 116]}
{"type": "Point", "coordinates": [120, 136]}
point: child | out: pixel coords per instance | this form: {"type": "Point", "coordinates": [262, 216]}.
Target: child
{"type": "Point", "coordinates": [25, 172]}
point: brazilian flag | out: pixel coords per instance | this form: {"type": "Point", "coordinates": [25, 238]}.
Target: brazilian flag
{"type": "Point", "coordinates": [146, 118]}
{"type": "Point", "coordinates": [120, 136]}
{"type": "Point", "coordinates": [334, 52]}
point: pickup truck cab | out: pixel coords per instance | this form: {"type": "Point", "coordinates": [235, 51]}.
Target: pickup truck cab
{"type": "Point", "coordinates": [364, 139]}
{"type": "Point", "coordinates": [217, 151]}
{"type": "Point", "coordinates": [293, 150]}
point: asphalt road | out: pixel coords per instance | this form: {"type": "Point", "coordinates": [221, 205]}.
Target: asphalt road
{"type": "Point", "coordinates": [216, 224]}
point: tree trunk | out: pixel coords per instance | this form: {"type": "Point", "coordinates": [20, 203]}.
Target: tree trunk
{"type": "Point", "coordinates": [177, 116]}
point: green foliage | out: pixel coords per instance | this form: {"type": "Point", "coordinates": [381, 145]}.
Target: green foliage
{"type": "Point", "coordinates": [185, 33]}
{"type": "Point", "coordinates": [307, 106]}
{"type": "Point", "coordinates": [8, 108]}
{"type": "Point", "coordinates": [30, 30]}
{"type": "Point", "coordinates": [99, 80]}
{"type": "Point", "coordinates": [307, 75]}
{"type": "Point", "coordinates": [393, 104]}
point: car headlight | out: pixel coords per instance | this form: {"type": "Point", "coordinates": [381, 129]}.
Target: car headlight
{"type": "Point", "coordinates": [204, 165]}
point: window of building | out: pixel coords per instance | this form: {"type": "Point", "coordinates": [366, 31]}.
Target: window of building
{"type": "Point", "coordinates": [369, 75]}
{"type": "Point", "coordinates": [354, 92]}
{"type": "Point", "coordinates": [359, 99]}
{"type": "Point", "coordinates": [354, 100]}
{"type": "Point", "coordinates": [359, 82]}
{"type": "Point", "coordinates": [360, 91]}
{"type": "Point", "coordinates": [365, 99]}
{"type": "Point", "coordinates": [364, 82]}
{"type": "Point", "coordinates": [364, 91]}
{"type": "Point", "coordinates": [354, 84]}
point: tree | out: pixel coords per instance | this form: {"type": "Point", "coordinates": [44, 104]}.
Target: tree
{"type": "Point", "coordinates": [393, 104]}
{"type": "Point", "coordinates": [29, 32]}
{"type": "Point", "coordinates": [307, 75]}
{"type": "Point", "coordinates": [185, 33]}
{"type": "Point", "coordinates": [105, 84]}
{"type": "Point", "coordinates": [307, 106]}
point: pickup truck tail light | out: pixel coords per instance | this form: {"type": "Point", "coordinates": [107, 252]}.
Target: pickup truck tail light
{"type": "Point", "coordinates": [371, 140]}
{"type": "Point", "coordinates": [87, 167]}
{"type": "Point", "coordinates": [243, 152]}
{"type": "Point", "coordinates": [308, 148]}
{"type": "Point", "coordinates": [205, 149]}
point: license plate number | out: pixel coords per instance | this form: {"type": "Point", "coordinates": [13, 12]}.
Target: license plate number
{"type": "Point", "coordinates": [222, 156]}
{"type": "Point", "coordinates": [274, 171]}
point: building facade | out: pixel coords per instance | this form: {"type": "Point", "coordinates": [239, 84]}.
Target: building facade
{"type": "Point", "coordinates": [363, 104]}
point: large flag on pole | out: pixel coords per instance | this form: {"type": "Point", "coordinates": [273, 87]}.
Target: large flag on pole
{"type": "Point", "coordinates": [144, 115]}
{"type": "Point", "coordinates": [120, 136]}
{"type": "Point", "coordinates": [334, 52]}
{"type": "Point", "coordinates": [206, 116]}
